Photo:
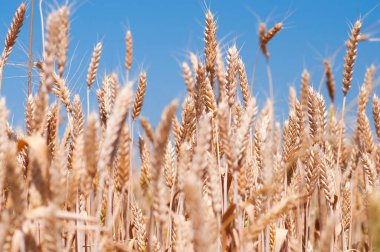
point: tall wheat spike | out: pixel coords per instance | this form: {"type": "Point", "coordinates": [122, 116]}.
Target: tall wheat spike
{"type": "Point", "coordinates": [11, 38]}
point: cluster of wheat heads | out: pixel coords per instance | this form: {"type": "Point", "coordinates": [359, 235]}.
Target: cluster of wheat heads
{"type": "Point", "coordinates": [224, 176]}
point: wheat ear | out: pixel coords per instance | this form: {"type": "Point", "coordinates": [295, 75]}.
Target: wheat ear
{"type": "Point", "coordinates": [148, 129]}
{"type": "Point", "coordinates": [232, 60]}
{"type": "Point", "coordinates": [266, 37]}
{"type": "Point", "coordinates": [129, 52]}
{"type": "Point", "coordinates": [376, 114]}
{"type": "Point", "coordinates": [92, 70]}
{"type": "Point", "coordinates": [63, 40]}
{"type": "Point", "coordinates": [94, 63]}
{"type": "Point", "coordinates": [114, 127]}
{"type": "Point", "coordinates": [160, 141]}
{"type": "Point", "coordinates": [244, 83]}
{"type": "Point", "coordinates": [330, 82]}
{"type": "Point", "coordinates": [349, 60]}
{"type": "Point", "coordinates": [189, 80]}
{"type": "Point", "coordinates": [139, 99]}
{"type": "Point", "coordinates": [210, 46]}
{"type": "Point", "coordinates": [91, 149]}
{"type": "Point", "coordinates": [12, 34]}
{"type": "Point", "coordinates": [77, 128]}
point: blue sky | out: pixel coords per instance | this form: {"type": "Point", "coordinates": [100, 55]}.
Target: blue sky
{"type": "Point", "coordinates": [164, 32]}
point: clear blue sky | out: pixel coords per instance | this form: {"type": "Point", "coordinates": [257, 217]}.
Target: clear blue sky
{"type": "Point", "coordinates": [165, 31]}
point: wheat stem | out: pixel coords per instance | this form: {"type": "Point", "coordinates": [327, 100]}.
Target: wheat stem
{"type": "Point", "coordinates": [340, 134]}
{"type": "Point", "coordinates": [254, 67]}
{"type": "Point", "coordinates": [30, 52]}
{"type": "Point", "coordinates": [88, 101]}
{"type": "Point", "coordinates": [269, 74]}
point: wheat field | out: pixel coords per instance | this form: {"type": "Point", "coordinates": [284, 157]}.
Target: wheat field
{"type": "Point", "coordinates": [218, 173]}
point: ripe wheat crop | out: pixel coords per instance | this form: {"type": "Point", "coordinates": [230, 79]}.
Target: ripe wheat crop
{"type": "Point", "coordinates": [218, 173]}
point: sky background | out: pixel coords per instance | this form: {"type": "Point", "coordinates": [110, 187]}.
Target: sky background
{"type": "Point", "coordinates": [164, 32]}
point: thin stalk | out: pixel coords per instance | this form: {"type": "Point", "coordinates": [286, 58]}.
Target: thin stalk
{"type": "Point", "coordinates": [30, 53]}
{"type": "Point", "coordinates": [262, 240]}
{"type": "Point", "coordinates": [321, 83]}
{"type": "Point", "coordinates": [80, 234]}
{"type": "Point", "coordinates": [340, 133]}
{"type": "Point", "coordinates": [110, 203]}
{"type": "Point", "coordinates": [169, 235]}
{"type": "Point", "coordinates": [344, 242]}
{"type": "Point", "coordinates": [306, 224]}
{"type": "Point", "coordinates": [349, 238]}
{"type": "Point", "coordinates": [130, 177]}
{"type": "Point", "coordinates": [217, 143]}
{"type": "Point", "coordinates": [225, 191]}
{"type": "Point", "coordinates": [269, 79]}
{"type": "Point", "coordinates": [99, 207]}
{"type": "Point", "coordinates": [150, 230]}
{"type": "Point", "coordinates": [130, 182]}
{"type": "Point", "coordinates": [88, 101]}
{"type": "Point", "coordinates": [42, 27]}
{"type": "Point", "coordinates": [219, 181]}
{"type": "Point", "coordinates": [234, 176]}
{"type": "Point", "coordinates": [66, 192]}
{"type": "Point", "coordinates": [254, 67]}
{"type": "Point", "coordinates": [1, 73]}
{"type": "Point", "coordinates": [219, 240]}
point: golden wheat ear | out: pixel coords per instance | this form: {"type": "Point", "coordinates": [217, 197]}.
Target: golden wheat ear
{"type": "Point", "coordinates": [77, 129]}
{"type": "Point", "coordinates": [349, 60]}
{"type": "Point", "coordinates": [114, 128]}
{"type": "Point", "coordinates": [147, 127]}
{"type": "Point", "coordinates": [244, 83]}
{"type": "Point", "coordinates": [232, 67]}
{"type": "Point", "coordinates": [94, 64]}
{"type": "Point", "coordinates": [189, 80]}
{"type": "Point", "coordinates": [11, 38]}
{"type": "Point", "coordinates": [129, 50]}
{"type": "Point", "coordinates": [63, 39]}
{"type": "Point", "coordinates": [13, 32]}
{"type": "Point", "coordinates": [210, 46]}
{"type": "Point", "coordinates": [139, 99]}
{"type": "Point", "coordinates": [330, 82]}
{"type": "Point", "coordinates": [145, 175]}
{"type": "Point", "coordinates": [265, 37]}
